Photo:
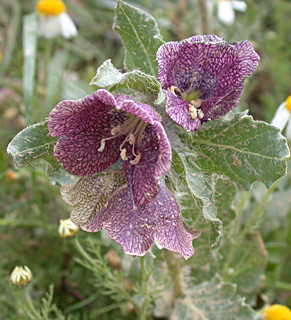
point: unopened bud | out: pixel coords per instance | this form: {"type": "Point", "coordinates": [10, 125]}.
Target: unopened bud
{"type": "Point", "coordinates": [21, 276]}
{"type": "Point", "coordinates": [67, 228]}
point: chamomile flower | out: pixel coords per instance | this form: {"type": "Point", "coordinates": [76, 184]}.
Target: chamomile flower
{"type": "Point", "coordinates": [282, 117]}
{"type": "Point", "coordinates": [67, 228]}
{"type": "Point", "coordinates": [53, 19]}
{"type": "Point", "coordinates": [21, 276]}
{"type": "Point", "coordinates": [226, 10]}
{"type": "Point", "coordinates": [276, 312]}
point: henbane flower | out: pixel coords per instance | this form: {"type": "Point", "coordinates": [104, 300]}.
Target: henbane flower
{"type": "Point", "coordinates": [100, 129]}
{"type": "Point", "coordinates": [136, 230]}
{"type": "Point", "coordinates": [203, 77]}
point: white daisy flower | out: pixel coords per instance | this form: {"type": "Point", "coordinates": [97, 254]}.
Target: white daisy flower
{"type": "Point", "coordinates": [67, 228]}
{"type": "Point", "coordinates": [225, 10]}
{"type": "Point", "coordinates": [21, 276]}
{"type": "Point", "coordinates": [282, 117]}
{"type": "Point", "coordinates": [53, 19]}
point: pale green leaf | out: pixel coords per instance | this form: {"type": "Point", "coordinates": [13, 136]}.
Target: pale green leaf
{"type": "Point", "coordinates": [213, 300]}
{"type": "Point", "coordinates": [33, 144]}
{"type": "Point", "coordinates": [198, 195]}
{"type": "Point", "coordinates": [108, 77]}
{"type": "Point", "coordinates": [240, 148]}
{"type": "Point", "coordinates": [140, 35]}
{"type": "Point", "coordinates": [247, 265]}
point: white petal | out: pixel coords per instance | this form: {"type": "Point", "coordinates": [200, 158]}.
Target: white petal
{"type": "Point", "coordinates": [225, 12]}
{"type": "Point", "coordinates": [68, 27]}
{"type": "Point", "coordinates": [288, 130]}
{"type": "Point", "coordinates": [49, 27]}
{"type": "Point", "coordinates": [281, 116]}
{"type": "Point", "coordinates": [239, 5]}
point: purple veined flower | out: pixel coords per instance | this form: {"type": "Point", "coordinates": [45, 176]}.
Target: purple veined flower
{"type": "Point", "coordinates": [100, 129]}
{"type": "Point", "coordinates": [136, 230]}
{"type": "Point", "coordinates": [203, 77]}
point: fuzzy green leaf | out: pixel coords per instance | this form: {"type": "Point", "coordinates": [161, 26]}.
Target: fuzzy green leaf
{"type": "Point", "coordinates": [140, 35]}
{"type": "Point", "coordinates": [213, 300]}
{"type": "Point", "coordinates": [108, 77]}
{"type": "Point", "coordinates": [33, 144]}
{"type": "Point", "coordinates": [242, 149]}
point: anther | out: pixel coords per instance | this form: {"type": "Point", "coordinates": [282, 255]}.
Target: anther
{"type": "Point", "coordinates": [123, 154]}
{"type": "Point", "coordinates": [115, 130]}
{"type": "Point", "coordinates": [102, 146]}
{"type": "Point", "coordinates": [136, 160]}
{"type": "Point", "coordinates": [192, 112]}
{"type": "Point", "coordinates": [200, 114]}
{"type": "Point", "coordinates": [196, 103]}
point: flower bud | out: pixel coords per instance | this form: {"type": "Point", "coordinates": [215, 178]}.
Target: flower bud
{"type": "Point", "coordinates": [67, 228]}
{"type": "Point", "coordinates": [21, 276]}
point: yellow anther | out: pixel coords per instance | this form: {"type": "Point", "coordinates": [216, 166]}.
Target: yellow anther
{"type": "Point", "coordinates": [288, 103]}
{"type": "Point", "coordinates": [200, 114]}
{"type": "Point", "coordinates": [50, 7]}
{"type": "Point", "coordinates": [136, 160]}
{"type": "Point", "coordinates": [192, 112]}
{"type": "Point", "coordinates": [102, 145]}
{"type": "Point", "coordinates": [197, 103]}
{"type": "Point", "coordinates": [173, 90]}
{"type": "Point", "coordinates": [123, 155]}
{"type": "Point", "coordinates": [115, 130]}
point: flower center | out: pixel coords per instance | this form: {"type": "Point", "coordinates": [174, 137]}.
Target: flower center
{"type": "Point", "coordinates": [132, 129]}
{"type": "Point", "coordinates": [193, 98]}
{"type": "Point", "coordinates": [50, 7]}
{"type": "Point", "coordinates": [288, 103]}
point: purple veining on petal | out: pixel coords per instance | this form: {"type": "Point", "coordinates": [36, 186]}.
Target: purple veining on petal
{"type": "Point", "coordinates": [205, 72]}
{"type": "Point", "coordinates": [177, 110]}
{"type": "Point", "coordinates": [99, 129]}
{"type": "Point", "coordinates": [136, 229]}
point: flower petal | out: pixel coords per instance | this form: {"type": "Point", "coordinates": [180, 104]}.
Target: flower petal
{"type": "Point", "coordinates": [83, 124]}
{"type": "Point", "coordinates": [225, 12]}
{"type": "Point", "coordinates": [132, 229]}
{"type": "Point", "coordinates": [178, 111]}
{"type": "Point", "coordinates": [141, 178]}
{"type": "Point", "coordinates": [90, 194]}
{"type": "Point", "coordinates": [281, 116]}
{"type": "Point", "coordinates": [171, 232]}
{"type": "Point", "coordinates": [219, 106]}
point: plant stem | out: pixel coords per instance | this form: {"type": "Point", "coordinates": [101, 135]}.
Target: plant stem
{"type": "Point", "coordinates": [175, 267]}
{"type": "Point", "coordinates": [38, 197]}
{"type": "Point", "coordinates": [205, 21]}
{"type": "Point", "coordinates": [258, 213]}
{"type": "Point", "coordinates": [145, 285]}
{"type": "Point", "coordinates": [283, 286]}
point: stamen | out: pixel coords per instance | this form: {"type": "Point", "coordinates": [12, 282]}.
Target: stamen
{"type": "Point", "coordinates": [123, 154]}
{"type": "Point", "coordinates": [131, 139]}
{"type": "Point", "coordinates": [102, 145]}
{"type": "Point", "coordinates": [192, 112]}
{"type": "Point", "coordinates": [197, 103]}
{"type": "Point", "coordinates": [116, 130]}
{"type": "Point", "coordinates": [134, 207]}
{"type": "Point", "coordinates": [173, 90]}
{"type": "Point", "coordinates": [200, 113]}
{"type": "Point", "coordinates": [136, 160]}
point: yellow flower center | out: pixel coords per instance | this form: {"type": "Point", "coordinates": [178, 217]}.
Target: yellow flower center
{"type": "Point", "coordinates": [50, 7]}
{"type": "Point", "coordinates": [277, 312]}
{"type": "Point", "coordinates": [288, 103]}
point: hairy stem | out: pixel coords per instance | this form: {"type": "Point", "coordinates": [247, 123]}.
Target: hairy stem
{"type": "Point", "coordinates": [175, 267]}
